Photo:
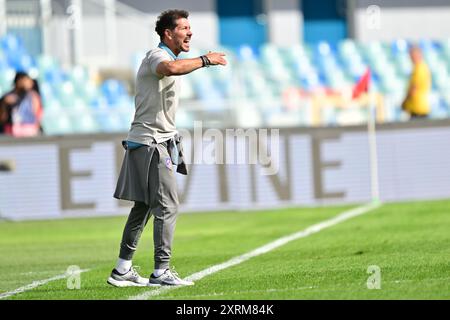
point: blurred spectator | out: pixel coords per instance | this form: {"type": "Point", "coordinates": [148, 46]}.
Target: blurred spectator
{"type": "Point", "coordinates": [417, 102]}
{"type": "Point", "coordinates": [21, 108]}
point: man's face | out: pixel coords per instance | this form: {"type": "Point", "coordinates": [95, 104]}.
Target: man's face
{"type": "Point", "coordinates": [181, 35]}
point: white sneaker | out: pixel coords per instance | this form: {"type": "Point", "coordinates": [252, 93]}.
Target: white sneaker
{"type": "Point", "coordinates": [129, 279]}
{"type": "Point", "coordinates": [169, 278]}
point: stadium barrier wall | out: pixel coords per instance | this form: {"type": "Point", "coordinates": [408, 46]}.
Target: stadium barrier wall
{"type": "Point", "coordinates": [57, 177]}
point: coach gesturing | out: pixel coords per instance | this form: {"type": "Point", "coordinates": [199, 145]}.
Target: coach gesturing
{"type": "Point", "coordinates": [153, 147]}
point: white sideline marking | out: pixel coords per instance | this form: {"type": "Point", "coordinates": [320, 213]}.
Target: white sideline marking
{"type": "Point", "coordinates": [264, 249]}
{"type": "Point", "coordinates": [35, 284]}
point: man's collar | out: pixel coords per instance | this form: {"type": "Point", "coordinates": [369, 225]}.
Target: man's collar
{"type": "Point", "coordinates": [162, 45]}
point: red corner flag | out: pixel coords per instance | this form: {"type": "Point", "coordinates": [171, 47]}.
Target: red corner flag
{"type": "Point", "coordinates": [362, 85]}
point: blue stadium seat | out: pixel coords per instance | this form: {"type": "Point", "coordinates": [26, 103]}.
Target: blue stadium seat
{"type": "Point", "coordinates": [98, 103]}
{"type": "Point", "coordinates": [246, 53]}
{"type": "Point", "coordinates": [400, 46]}
{"type": "Point", "coordinates": [113, 89]}
{"type": "Point", "coordinates": [23, 62]}
{"type": "Point", "coordinates": [3, 61]}
{"type": "Point", "coordinates": [11, 44]}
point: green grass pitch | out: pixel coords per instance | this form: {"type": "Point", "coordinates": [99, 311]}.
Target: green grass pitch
{"type": "Point", "coordinates": [409, 242]}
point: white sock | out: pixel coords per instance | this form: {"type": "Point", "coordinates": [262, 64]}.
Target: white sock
{"type": "Point", "coordinates": [123, 266]}
{"type": "Point", "coordinates": [158, 272]}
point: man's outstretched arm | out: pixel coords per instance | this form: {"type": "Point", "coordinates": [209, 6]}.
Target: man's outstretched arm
{"type": "Point", "coordinates": [185, 66]}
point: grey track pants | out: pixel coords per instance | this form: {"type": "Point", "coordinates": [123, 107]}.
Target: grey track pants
{"type": "Point", "coordinates": [164, 208]}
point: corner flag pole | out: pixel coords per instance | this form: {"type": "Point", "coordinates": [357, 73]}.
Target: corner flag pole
{"type": "Point", "coordinates": [373, 154]}
{"type": "Point", "coordinates": [363, 86]}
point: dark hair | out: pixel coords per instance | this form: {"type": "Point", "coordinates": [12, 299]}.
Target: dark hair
{"type": "Point", "coordinates": [168, 20]}
{"type": "Point", "coordinates": [36, 86]}
{"type": "Point", "coordinates": [20, 75]}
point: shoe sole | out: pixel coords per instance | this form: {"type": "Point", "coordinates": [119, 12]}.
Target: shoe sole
{"type": "Point", "coordinates": [125, 283]}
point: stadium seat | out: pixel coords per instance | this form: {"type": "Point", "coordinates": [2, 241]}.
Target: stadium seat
{"type": "Point", "coordinates": [84, 123]}
{"type": "Point", "coordinates": [246, 53]}
{"type": "Point", "coordinates": [109, 121]}
{"type": "Point", "coordinates": [113, 89]}
{"type": "Point", "coordinates": [57, 124]}
{"type": "Point", "coordinates": [45, 63]}
{"type": "Point", "coordinates": [65, 91]}
{"type": "Point", "coordinates": [52, 107]}
{"type": "Point", "coordinates": [400, 46]}
{"type": "Point", "coordinates": [6, 78]}
{"type": "Point", "coordinates": [89, 92]}
{"type": "Point", "coordinates": [98, 103]}
{"type": "Point", "coordinates": [79, 76]}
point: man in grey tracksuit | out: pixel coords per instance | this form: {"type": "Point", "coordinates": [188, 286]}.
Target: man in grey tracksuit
{"type": "Point", "coordinates": [153, 147]}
